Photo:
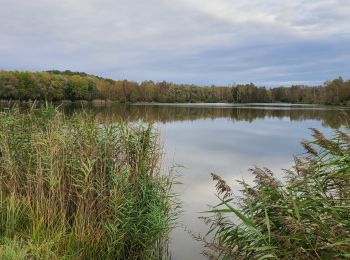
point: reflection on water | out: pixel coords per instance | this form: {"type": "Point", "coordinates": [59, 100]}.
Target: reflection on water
{"type": "Point", "coordinates": [224, 140]}
{"type": "Point", "coordinates": [171, 113]}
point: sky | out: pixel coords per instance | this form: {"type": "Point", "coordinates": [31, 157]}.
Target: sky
{"type": "Point", "coordinates": [222, 42]}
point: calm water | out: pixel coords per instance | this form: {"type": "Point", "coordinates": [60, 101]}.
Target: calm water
{"type": "Point", "coordinates": [227, 141]}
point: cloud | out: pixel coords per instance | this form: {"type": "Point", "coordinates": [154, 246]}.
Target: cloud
{"type": "Point", "coordinates": [194, 41]}
{"type": "Point", "coordinates": [304, 18]}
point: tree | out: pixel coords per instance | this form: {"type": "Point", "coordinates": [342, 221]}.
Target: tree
{"type": "Point", "coordinates": [77, 88]}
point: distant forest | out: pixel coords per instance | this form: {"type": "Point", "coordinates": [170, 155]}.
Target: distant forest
{"type": "Point", "coordinates": [67, 85]}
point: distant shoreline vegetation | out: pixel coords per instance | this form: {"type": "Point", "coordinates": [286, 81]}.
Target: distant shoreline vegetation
{"type": "Point", "coordinates": [57, 85]}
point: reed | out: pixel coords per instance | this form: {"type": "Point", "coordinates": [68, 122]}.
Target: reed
{"type": "Point", "coordinates": [73, 187]}
{"type": "Point", "coordinates": [306, 217]}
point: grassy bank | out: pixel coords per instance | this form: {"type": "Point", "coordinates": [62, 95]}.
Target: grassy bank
{"type": "Point", "coordinates": [73, 188]}
{"type": "Point", "coordinates": [307, 217]}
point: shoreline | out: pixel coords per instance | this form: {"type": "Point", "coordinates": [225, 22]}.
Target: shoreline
{"type": "Point", "coordinates": [107, 102]}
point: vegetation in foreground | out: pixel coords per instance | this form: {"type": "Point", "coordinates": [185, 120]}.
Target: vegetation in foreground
{"type": "Point", "coordinates": [67, 85]}
{"type": "Point", "coordinates": [73, 188]}
{"type": "Point", "coordinates": [308, 217]}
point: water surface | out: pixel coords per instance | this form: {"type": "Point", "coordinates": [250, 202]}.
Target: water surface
{"type": "Point", "coordinates": [226, 140]}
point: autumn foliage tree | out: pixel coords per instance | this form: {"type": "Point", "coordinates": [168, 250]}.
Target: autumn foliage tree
{"type": "Point", "coordinates": [67, 85]}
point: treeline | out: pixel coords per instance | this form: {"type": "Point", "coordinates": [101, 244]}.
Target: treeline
{"type": "Point", "coordinates": [67, 85]}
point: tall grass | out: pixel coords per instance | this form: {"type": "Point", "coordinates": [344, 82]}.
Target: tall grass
{"type": "Point", "coordinates": [74, 188]}
{"type": "Point", "coordinates": [307, 217]}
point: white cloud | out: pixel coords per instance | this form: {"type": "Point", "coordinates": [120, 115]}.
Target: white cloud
{"type": "Point", "coordinates": [304, 18]}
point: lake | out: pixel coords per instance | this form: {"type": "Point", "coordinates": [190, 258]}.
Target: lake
{"type": "Point", "coordinates": [226, 140]}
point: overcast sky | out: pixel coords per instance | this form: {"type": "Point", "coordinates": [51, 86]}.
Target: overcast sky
{"type": "Point", "coordinates": [268, 42]}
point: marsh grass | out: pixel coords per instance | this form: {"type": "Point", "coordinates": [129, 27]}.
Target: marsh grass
{"type": "Point", "coordinates": [78, 188]}
{"type": "Point", "coordinates": [307, 217]}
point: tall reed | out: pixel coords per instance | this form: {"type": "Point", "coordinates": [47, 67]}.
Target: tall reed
{"type": "Point", "coordinates": [307, 217]}
{"type": "Point", "coordinates": [77, 188]}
